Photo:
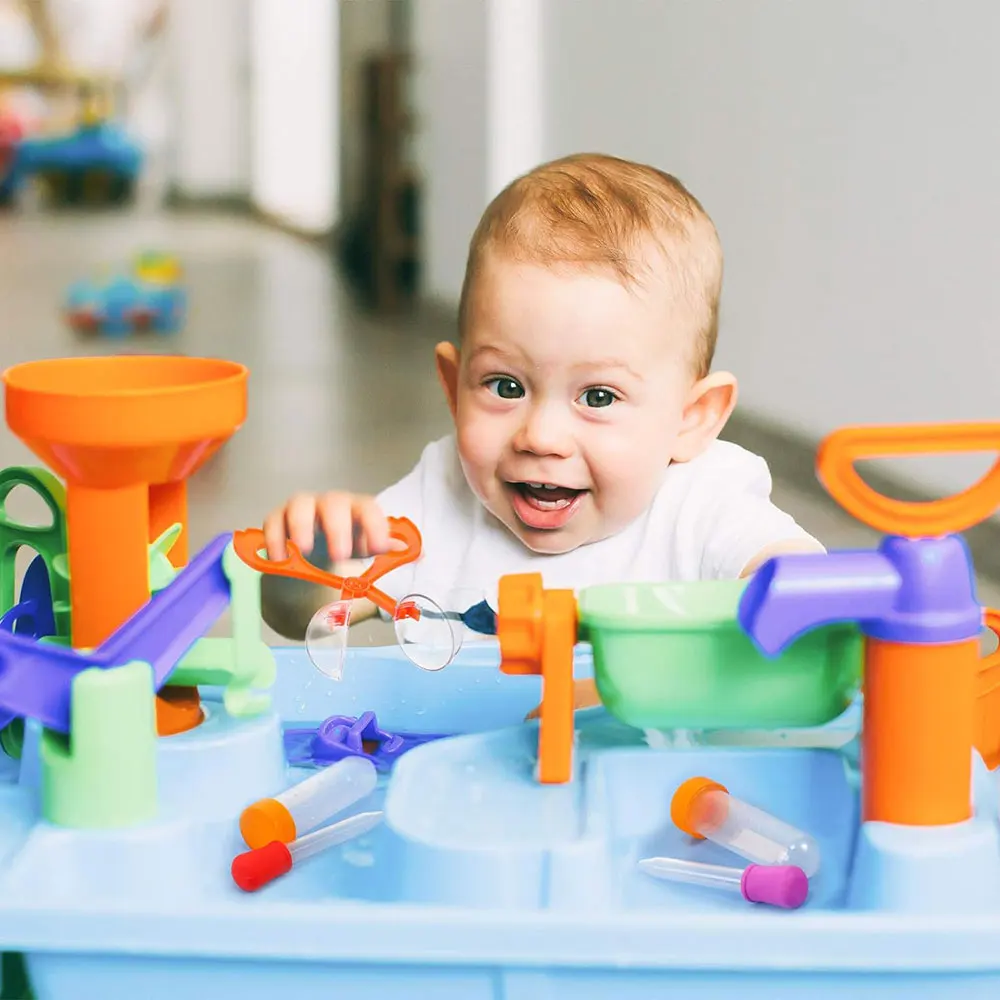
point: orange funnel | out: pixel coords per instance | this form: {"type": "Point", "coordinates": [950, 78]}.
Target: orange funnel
{"type": "Point", "coordinates": [125, 433]}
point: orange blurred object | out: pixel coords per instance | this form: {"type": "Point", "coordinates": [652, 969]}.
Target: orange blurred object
{"type": "Point", "coordinates": [125, 433]}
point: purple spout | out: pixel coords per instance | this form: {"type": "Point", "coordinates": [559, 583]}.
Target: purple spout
{"type": "Point", "coordinates": [777, 885]}
{"type": "Point", "coordinates": [791, 595]}
{"type": "Point", "coordinates": [910, 590]}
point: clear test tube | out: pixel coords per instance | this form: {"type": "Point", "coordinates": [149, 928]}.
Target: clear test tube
{"type": "Point", "coordinates": [310, 803]}
{"type": "Point", "coordinates": [703, 808]}
{"type": "Point", "coordinates": [777, 885]}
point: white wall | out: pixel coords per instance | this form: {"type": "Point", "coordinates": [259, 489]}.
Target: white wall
{"type": "Point", "coordinates": [365, 28]}
{"type": "Point", "coordinates": [477, 84]}
{"type": "Point", "coordinates": [295, 110]}
{"type": "Point", "coordinates": [847, 151]}
{"type": "Point", "coordinates": [449, 82]}
{"type": "Point", "coordinates": [209, 146]}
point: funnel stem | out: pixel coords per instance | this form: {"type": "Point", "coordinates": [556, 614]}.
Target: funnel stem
{"type": "Point", "coordinates": [107, 537]}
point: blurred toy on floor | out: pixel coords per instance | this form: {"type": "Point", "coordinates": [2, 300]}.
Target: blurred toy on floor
{"type": "Point", "coordinates": [148, 297]}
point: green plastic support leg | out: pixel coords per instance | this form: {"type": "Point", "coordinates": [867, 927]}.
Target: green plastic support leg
{"type": "Point", "coordinates": [104, 775]}
{"type": "Point", "coordinates": [244, 664]}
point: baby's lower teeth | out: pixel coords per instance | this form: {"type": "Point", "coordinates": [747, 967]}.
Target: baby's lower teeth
{"type": "Point", "coordinates": [552, 504]}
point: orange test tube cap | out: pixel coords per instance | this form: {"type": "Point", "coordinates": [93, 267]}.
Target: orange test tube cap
{"type": "Point", "coordinates": [265, 821]}
{"type": "Point", "coordinates": [682, 809]}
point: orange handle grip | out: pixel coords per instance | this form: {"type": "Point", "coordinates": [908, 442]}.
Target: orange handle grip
{"type": "Point", "coordinates": [401, 529]}
{"type": "Point", "coordinates": [835, 467]}
{"type": "Point", "coordinates": [249, 545]}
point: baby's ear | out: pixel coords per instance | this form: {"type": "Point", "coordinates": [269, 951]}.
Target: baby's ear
{"type": "Point", "coordinates": [706, 410]}
{"type": "Point", "coordinates": [447, 358]}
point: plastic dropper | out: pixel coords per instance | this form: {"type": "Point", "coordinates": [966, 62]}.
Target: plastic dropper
{"type": "Point", "coordinates": [256, 868]}
{"type": "Point", "coordinates": [309, 804]}
{"type": "Point", "coordinates": [776, 885]}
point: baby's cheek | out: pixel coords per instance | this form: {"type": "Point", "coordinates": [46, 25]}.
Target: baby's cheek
{"type": "Point", "coordinates": [478, 453]}
{"type": "Point", "coordinates": [628, 476]}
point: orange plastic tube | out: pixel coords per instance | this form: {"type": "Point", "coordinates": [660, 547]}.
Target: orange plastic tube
{"type": "Point", "coordinates": [917, 737]}
{"type": "Point", "coordinates": [107, 531]}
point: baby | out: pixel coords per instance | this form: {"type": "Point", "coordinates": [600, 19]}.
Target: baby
{"type": "Point", "coordinates": [586, 412]}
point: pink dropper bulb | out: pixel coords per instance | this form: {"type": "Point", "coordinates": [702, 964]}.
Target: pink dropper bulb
{"type": "Point", "coordinates": [785, 886]}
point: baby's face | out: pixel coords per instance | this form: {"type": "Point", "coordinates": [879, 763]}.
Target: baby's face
{"type": "Point", "coordinates": [571, 394]}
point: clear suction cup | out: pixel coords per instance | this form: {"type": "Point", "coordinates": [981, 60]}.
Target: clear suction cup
{"type": "Point", "coordinates": [326, 638]}
{"type": "Point", "coordinates": [429, 636]}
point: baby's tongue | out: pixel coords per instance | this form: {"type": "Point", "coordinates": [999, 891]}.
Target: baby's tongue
{"type": "Point", "coordinates": [551, 496]}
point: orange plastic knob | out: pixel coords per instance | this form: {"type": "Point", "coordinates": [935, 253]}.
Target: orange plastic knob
{"type": "Point", "coordinates": [521, 623]}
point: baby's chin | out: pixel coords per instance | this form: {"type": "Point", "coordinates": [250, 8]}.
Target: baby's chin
{"type": "Point", "coordinates": [556, 542]}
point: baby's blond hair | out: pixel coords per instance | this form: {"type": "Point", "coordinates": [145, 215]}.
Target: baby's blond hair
{"type": "Point", "coordinates": [601, 211]}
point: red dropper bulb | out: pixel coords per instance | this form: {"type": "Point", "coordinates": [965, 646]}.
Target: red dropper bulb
{"type": "Point", "coordinates": [254, 869]}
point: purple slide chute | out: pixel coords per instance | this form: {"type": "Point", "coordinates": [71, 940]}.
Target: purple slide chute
{"type": "Point", "coordinates": [36, 679]}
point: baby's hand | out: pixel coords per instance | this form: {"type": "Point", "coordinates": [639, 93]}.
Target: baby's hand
{"type": "Point", "coordinates": [354, 525]}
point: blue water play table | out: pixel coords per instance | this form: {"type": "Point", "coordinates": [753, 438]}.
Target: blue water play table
{"type": "Point", "coordinates": [481, 883]}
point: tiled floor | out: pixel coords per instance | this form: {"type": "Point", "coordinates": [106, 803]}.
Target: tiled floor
{"type": "Point", "coordinates": [337, 398]}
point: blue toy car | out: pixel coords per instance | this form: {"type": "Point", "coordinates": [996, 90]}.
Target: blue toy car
{"type": "Point", "coordinates": [150, 298]}
{"type": "Point", "coordinates": [98, 164]}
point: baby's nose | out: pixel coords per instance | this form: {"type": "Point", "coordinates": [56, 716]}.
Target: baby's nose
{"type": "Point", "coordinates": [545, 432]}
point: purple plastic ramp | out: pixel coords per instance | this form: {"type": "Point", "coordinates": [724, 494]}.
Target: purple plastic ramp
{"type": "Point", "coordinates": [165, 628]}
{"type": "Point", "coordinates": [36, 679]}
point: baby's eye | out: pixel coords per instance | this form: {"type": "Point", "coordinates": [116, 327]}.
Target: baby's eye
{"type": "Point", "coordinates": [598, 397]}
{"type": "Point", "coordinates": [505, 387]}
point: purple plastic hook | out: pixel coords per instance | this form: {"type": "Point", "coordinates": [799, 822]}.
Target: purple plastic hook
{"type": "Point", "coordinates": [343, 736]}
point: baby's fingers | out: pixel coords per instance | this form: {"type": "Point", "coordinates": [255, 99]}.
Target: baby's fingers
{"type": "Point", "coordinates": [371, 528]}
{"type": "Point", "coordinates": [276, 531]}
{"type": "Point", "coordinates": [300, 521]}
{"type": "Point", "coordinates": [336, 515]}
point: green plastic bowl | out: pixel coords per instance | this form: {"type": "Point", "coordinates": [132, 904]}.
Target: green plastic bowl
{"type": "Point", "coordinates": [673, 656]}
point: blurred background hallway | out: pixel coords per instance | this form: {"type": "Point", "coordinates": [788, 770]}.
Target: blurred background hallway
{"type": "Point", "coordinates": [317, 169]}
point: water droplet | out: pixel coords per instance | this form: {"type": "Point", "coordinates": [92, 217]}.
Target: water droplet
{"type": "Point", "coordinates": [359, 858]}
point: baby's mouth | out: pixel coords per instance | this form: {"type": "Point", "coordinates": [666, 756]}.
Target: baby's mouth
{"type": "Point", "coordinates": [547, 496]}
